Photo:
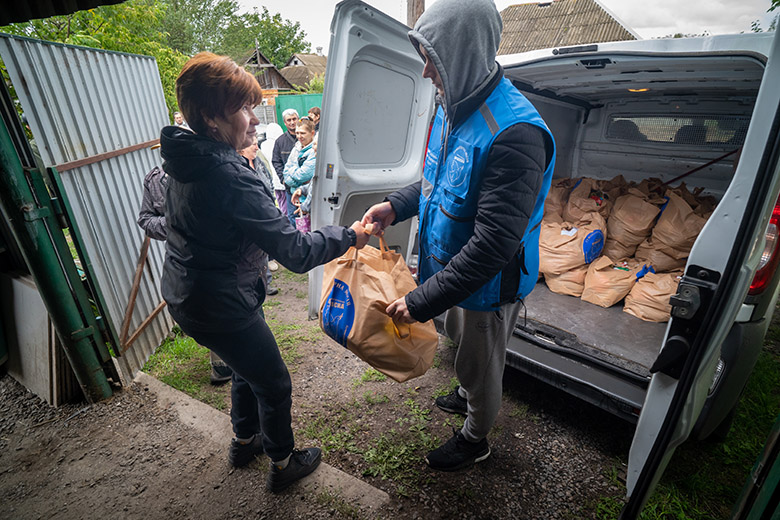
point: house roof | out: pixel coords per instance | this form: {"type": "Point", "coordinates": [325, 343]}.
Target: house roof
{"type": "Point", "coordinates": [558, 23]}
{"type": "Point", "coordinates": [301, 68]}
{"type": "Point", "coordinates": [268, 75]}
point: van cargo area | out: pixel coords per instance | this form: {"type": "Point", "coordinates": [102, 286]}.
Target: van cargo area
{"type": "Point", "coordinates": [690, 108]}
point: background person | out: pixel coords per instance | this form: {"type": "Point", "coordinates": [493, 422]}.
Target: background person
{"type": "Point", "coordinates": [179, 121]}
{"type": "Point", "coordinates": [252, 157]}
{"type": "Point", "coordinates": [151, 218]}
{"type": "Point", "coordinates": [301, 163]}
{"type": "Point", "coordinates": [479, 249]}
{"type": "Point", "coordinates": [314, 115]}
{"type": "Point", "coordinates": [221, 221]}
{"type": "Point", "coordinates": [282, 148]}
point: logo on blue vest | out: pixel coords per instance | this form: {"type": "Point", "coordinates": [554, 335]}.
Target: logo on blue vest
{"type": "Point", "coordinates": [456, 172]}
{"type": "Point", "coordinates": [592, 245]}
{"type": "Point", "coordinates": [338, 314]}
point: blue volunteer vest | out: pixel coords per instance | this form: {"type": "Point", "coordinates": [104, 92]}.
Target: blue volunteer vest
{"type": "Point", "coordinates": [450, 189]}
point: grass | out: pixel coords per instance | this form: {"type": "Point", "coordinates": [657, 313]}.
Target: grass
{"type": "Point", "coordinates": [370, 374]}
{"type": "Point", "coordinates": [184, 365]}
{"type": "Point", "coordinates": [705, 479]}
{"type": "Point", "coordinates": [338, 505]}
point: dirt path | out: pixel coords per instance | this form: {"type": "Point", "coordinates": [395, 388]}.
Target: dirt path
{"type": "Point", "coordinates": [553, 456]}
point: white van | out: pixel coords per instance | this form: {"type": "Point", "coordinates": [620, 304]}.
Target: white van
{"type": "Point", "coordinates": [672, 379]}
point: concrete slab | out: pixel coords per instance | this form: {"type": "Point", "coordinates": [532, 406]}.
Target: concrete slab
{"type": "Point", "coordinates": [215, 426]}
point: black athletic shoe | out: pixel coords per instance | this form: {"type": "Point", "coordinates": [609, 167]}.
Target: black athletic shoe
{"type": "Point", "coordinates": [302, 463]}
{"type": "Point", "coordinates": [458, 453]}
{"type": "Point", "coordinates": [453, 403]}
{"type": "Point", "coordinates": [271, 291]}
{"type": "Point", "coordinates": [240, 455]}
{"type": "Point", "coordinates": [220, 374]}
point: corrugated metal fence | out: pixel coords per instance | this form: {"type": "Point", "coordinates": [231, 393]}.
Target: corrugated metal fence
{"type": "Point", "coordinates": [94, 116]}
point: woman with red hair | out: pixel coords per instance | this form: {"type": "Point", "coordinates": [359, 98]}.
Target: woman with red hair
{"type": "Point", "coordinates": [222, 224]}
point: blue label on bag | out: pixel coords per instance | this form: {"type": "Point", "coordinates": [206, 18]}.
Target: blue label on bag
{"type": "Point", "coordinates": [592, 245]}
{"type": "Point", "coordinates": [338, 313]}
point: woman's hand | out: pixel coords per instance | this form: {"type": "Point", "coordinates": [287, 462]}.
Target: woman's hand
{"type": "Point", "coordinates": [399, 311]}
{"type": "Point", "coordinates": [298, 211]}
{"type": "Point", "coordinates": [362, 235]}
{"type": "Point", "coordinates": [382, 215]}
{"type": "Point", "coordinates": [296, 197]}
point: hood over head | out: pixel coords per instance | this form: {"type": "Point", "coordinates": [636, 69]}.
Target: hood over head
{"type": "Point", "coordinates": [461, 38]}
{"type": "Point", "coordinates": [188, 156]}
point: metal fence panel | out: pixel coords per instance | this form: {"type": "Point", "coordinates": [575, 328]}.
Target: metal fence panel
{"type": "Point", "coordinates": [94, 115]}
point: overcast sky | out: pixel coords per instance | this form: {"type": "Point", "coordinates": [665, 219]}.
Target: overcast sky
{"type": "Point", "coordinates": [648, 18]}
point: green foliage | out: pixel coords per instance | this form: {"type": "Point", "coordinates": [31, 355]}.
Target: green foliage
{"type": "Point", "coordinates": [277, 38]}
{"type": "Point", "coordinates": [339, 505]}
{"type": "Point", "coordinates": [134, 27]}
{"type": "Point", "coordinates": [371, 374]}
{"type": "Point", "coordinates": [316, 85]}
{"type": "Point", "coordinates": [336, 432]}
{"type": "Point", "coordinates": [184, 365]}
{"type": "Point", "coordinates": [446, 389]}
{"type": "Point", "coordinates": [372, 398]}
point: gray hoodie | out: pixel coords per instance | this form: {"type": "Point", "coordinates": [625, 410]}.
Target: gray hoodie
{"type": "Point", "coordinates": [461, 37]}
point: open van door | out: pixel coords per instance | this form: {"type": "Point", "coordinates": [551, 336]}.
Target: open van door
{"type": "Point", "coordinates": [376, 108]}
{"type": "Point", "coordinates": [717, 278]}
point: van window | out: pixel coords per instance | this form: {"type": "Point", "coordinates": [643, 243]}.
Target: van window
{"type": "Point", "coordinates": [691, 130]}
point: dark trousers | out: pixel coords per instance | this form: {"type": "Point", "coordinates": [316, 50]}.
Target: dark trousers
{"type": "Point", "coordinates": [291, 207]}
{"type": "Point", "coordinates": [262, 388]}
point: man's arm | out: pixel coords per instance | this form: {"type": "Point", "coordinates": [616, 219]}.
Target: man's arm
{"type": "Point", "coordinates": [510, 184]}
{"type": "Point", "coordinates": [151, 217]}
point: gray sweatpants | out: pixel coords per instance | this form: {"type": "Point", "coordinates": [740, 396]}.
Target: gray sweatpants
{"type": "Point", "coordinates": [482, 338]}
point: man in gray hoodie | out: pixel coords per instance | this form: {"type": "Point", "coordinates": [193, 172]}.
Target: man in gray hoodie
{"type": "Point", "coordinates": [487, 171]}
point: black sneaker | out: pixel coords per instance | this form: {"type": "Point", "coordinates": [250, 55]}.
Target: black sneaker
{"type": "Point", "coordinates": [453, 403]}
{"type": "Point", "coordinates": [220, 374]}
{"type": "Point", "coordinates": [302, 462]}
{"type": "Point", "coordinates": [458, 453]}
{"type": "Point", "coordinates": [240, 455]}
{"type": "Point", "coordinates": [271, 291]}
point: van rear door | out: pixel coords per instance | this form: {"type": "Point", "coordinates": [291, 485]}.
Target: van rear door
{"type": "Point", "coordinates": [376, 109]}
{"type": "Point", "coordinates": [717, 277]}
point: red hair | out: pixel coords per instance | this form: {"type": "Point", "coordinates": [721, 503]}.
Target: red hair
{"type": "Point", "coordinates": [210, 86]}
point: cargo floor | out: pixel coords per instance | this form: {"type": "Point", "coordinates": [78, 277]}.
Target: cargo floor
{"type": "Point", "coordinates": [611, 334]}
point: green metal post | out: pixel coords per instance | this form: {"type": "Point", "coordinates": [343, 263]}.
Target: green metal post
{"type": "Point", "coordinates": [32, 225]}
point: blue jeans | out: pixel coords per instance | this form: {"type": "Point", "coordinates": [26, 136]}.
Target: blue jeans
{"type": "Point", "coordinates": [262, 389]}
{"type": "Point", "coordinates": [291, 208]}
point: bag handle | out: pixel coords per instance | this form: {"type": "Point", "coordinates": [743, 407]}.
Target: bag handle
{"type": "Point", "coordinates": [402, 330]}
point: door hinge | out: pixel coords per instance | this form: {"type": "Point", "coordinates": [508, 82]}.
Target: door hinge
{"type": "Point", "coordinates": [689, 306]}
{"type": "Point", "coordinates": [686, 302]}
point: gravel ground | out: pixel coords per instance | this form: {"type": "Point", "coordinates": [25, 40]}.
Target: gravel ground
{"type": "Point", "coordinates": [553, 456]}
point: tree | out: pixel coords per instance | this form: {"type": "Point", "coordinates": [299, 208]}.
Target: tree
{"type": "Point", "coordinates": [193, 26]}
{"type": "Point", "coordinates": [316, 85]}
{"type": "Point", "coordinates": [277, 38]}
{"type": "Point", "coordinates": [132, 27]}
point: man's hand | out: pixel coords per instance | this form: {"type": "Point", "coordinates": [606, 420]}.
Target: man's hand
{"type": "Point", "coordinates": [382, 215]}
{"type": "Point", "coordinates": [399, 311]}
{"type": "Point", "coordinates": [362, 236]}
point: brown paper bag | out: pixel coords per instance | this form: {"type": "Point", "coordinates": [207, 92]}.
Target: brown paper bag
{"type": "Point", "coordinates": [649, 299]}
{"type": "Point", "coordinates": [564, 246]}
{"type": "Point", "coordinates": [557, 197]}
{"type": "Point", "coordinates": [608, 282]}
{"type": "Point", "coordinates": [587, 197]}
{"type": "Point", "coordinates": [570, 283]}
{"type": "Point", "coordinates": [650, 253]}
{"type": "Point", "coordinates": [356, 289]}
{"type": "Point", "coordinates": [630, 223]}
{"type": "Point", "coordinates": [677, 227]}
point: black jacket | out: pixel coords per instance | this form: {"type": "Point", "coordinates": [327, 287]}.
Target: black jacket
{"type": "Point", "coordinates": [282, 148]}
{"type": "Point", "coordinates": [221, 222]}
{"type": "Point", "coordinates": [510, 184]}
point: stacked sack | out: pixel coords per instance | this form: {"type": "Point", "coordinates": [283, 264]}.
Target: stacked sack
{"type": "Point", "coordinates": [605, 241]}
{"type": "Point", "coordinates": [573, 230]}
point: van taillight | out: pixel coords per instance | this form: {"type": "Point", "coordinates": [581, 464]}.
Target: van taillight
{"type": "Point", "coordinates": [771, 255]}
